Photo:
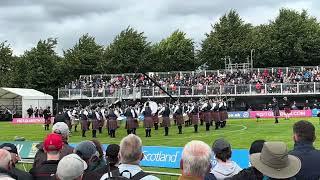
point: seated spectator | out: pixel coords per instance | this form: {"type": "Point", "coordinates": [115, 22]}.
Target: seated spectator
{"type": "Point", "coordinates": [71, 167]}
{"type": "Point", "coordinates": [195, 160]}
{"type": "Point", "coordinates": [223, 167]}
{"type": "Point", "coordinates": [304, 136]}
{"type": "Point", "coordinates": [88, 152]}
{"type": "Point", "coordinates": [130, 156]}
{"type": "Point", "coordinates": [274, 162]}
{"type": "Point", "coordinates": [58, 128]}
{"type": "Point", "coordinates": [52, 146]}
{"type": "Point", "coordinates": [15, 159]}
{"type": "Point", "coordinates": [250, 173]}
{"type": "Point", "coordinates": [6, 165]}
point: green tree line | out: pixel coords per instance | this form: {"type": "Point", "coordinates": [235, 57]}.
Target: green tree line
{"type": "Point", "coordinates": [292, 38]}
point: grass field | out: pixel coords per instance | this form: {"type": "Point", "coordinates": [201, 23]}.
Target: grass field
{"type": "Point", "coordinates": [240, 133]}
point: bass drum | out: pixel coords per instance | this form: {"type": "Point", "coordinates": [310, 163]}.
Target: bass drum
{"type": "Point", "coordinates": [153, 106]}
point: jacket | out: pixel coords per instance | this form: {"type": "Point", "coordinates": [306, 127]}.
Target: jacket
{"type": "Point", "coordinates": [45, 171]}
{"type": "Point", "coordinates": [225, 170]}
{"type": "Point", "coordinates": [41, 155]}
{"type": "Point", "coordinates": [250, 173]}
{"type": "Point", "coordinates": [21, 174]}
{"type": "Point", "coordinates": [6, 173]}
{"type": "Point", "coordinates": [310, 160]}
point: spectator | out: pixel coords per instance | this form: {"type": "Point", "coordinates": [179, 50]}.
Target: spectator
{"type": "Point", "coordinates": [304, 136]}
{"type": "Point", "coordinates": [88, 152]}
{"type": "Point", "coordinates": [59, 128]}
{"type": "Point", "coordinates": [274, 162]}
{"type": "Point", "coordinates": [15, 159]}
{"type": "Point", "coordinates": [59, 118]}
{"type": "Point", "coordinates": [250, 173]}
{"type": "Point", "coordinates": [52, 146]}
{"type": "Point", "coordinates": [30, 111]}
{"type": "Point", "coordinates": [71, 167]}
{"type": "Point", "coordinates": [223, 166]}
{"type": "Point", "coordinates": [6, 165]}
{"type": "Point", "coordinates": [130, 156]}
{"type": "Point", "coordinates": [195, 160]}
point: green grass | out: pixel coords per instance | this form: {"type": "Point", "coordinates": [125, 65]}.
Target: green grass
{"type": "Point", "coordinates": [240, 133]}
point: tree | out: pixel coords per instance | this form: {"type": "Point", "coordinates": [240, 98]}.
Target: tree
{"type": "Point", "coordinates": [229, 37]}
{"type": "Point", "coordinates": [83, 58]}
{"type": "Point", "coordinates": [6, 61]}
{"type": "Point", "coordinates": [128, 53]}
{"type": "Point", "coordinates": [175, 53]}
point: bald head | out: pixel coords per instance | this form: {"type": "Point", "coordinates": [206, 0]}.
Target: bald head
{"type": "Point", "coordinates": [196, 158]}
{"type": "Point", "coordinates": [5, 159]}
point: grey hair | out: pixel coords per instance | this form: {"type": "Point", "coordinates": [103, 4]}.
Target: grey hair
{"type": "Point", "coordinates": [196, 158]}
{"type": "Point", "coordinates": [5, 158]}
{"type": "Point", "coordinates": [130, 149]}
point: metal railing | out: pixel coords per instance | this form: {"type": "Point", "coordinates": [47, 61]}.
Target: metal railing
{"type": "Point", "coordinates": [193, 91]}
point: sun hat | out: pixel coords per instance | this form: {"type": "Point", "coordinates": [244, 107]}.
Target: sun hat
{"type": "Point", "coordinates": [275, 162]}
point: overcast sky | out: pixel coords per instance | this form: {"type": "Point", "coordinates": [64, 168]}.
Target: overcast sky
{"type": "Point", "coordinates": [24, 22]}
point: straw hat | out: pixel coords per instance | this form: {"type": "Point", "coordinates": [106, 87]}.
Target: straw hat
{"type": "Point", "coordinates": [275, 162]}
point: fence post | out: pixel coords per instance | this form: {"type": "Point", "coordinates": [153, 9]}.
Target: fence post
{"type": "Point", "coordinates": [314, 87]}
{"type": "Point", "coordinates": [192, 90]}
{"type": "Point", "coordinates": [152, 91]}
{"type": "Point", "coordinates": [69, 94]}
{"type": "Point", "coordinates": [250, 89]}
{"type": "Point", "coordinates": [281, 88]}
{"type": "Point", "coordinates": [58, 93]}
{"type": "Point", "coordinates": [206, 89]}
{"type": "Point", "coordinates": [92, 92]}
{"type": "Point", "coordinates": [265, 88]}
{"type": "Point", "coordinates": [80, 93]}
{"type": "Point", "coordinates": [235, 89]}
{"type": "Point", "coordinates": [220, 89]}
{"type": "Point", "coordinates": [298, 90]}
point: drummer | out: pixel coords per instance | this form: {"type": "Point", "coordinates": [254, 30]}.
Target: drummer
{"type": "Point", "coordinates": [165, 112]}
{"type": "Point", "coordinates": [179, 117]}
{"type": "Point", "coordinates": [148, 121]}
{"type": "Point", "coordinates": [131, 124]}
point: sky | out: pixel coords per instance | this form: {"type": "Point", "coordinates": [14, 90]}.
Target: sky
{"type": "Point", "coordinates": [24, 22]}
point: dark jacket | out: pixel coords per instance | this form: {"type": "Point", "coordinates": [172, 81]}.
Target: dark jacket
{"type": "Point", "coordinates": [21, 174]}
{"type": "Point", "coordinates": [310, 160]}
{"type": "Point", "coordinates": [41, 155]}
{"type": "Point", "coordinates": [97, 174]}
{"type": "Point", "coordinates": [6, 173]}
{"type": "Point", "coordinates": [59, 118]}
{"type": "Point", "coordinates": [250, 173]}
{"type": "Point", "coordinates": [45, 171]}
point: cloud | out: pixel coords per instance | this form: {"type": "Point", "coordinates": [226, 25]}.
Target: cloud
{"type": "Point", "coordinates": [24, 22]}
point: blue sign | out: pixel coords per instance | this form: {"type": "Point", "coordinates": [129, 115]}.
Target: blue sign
{"type": "Point", "coordinates": [315, 112]}
{"type": "Point", "coordinates": [238, 115]}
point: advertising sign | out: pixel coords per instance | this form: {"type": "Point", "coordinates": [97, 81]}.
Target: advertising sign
{"type": "Point", "coordinates": [269, 114]}
{"type": "Point", "coordinates": [29, 120]}
{"type": "Point", "coordinates": [238, 115]}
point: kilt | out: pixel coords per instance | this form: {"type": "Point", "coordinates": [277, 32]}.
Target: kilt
{"type": "Point", "coordinates": [223, 115]}
{"type": "Point", "coordinates": [201, 115]}
{"type": "Point", "coordinates": [68, 122]}
{"type": "Point", "coordinates": [148, 122]}
{"type": "Point", "coordinates": [95, 124]}
{"type": "Point", "coordinates": [166, 122]}
{"type": "Point", "coordinates": [84, 125]}
{"type": "Point", "coordinates": [195, 119]}
{"type": "Point", "coordinates": [101, 123]}
{"type": "Point", "coordinates": [131, 123]}
{"type": "Point", "coordinates": [207, 117]}
{"type": "Point", "coordinates": [112, 124]}
{"type": "Point", "coordinates": [179, 119]}
{"type": "Point", "coordinates": [276, 112]}
{"type": "Point", "coordinates": [155, 119]}
{"type": "Point", "coordinates": [47, 120]}
{"type": "Point", "coordinates": [287, 110]}
{"type": "Point", "coordinates": [215, 116]}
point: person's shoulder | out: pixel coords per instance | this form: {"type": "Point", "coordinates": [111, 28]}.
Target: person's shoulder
{"type": "Point", "coordinates": [150, 177]}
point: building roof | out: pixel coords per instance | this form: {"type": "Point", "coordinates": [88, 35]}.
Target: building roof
{"type": "Point", "coordinates": [11, 93]}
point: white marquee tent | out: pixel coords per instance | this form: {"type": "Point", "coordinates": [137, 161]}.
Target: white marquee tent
{"type": "Point", "coordinates": [20, 99]}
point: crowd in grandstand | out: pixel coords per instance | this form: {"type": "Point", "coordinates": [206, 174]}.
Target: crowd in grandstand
{"type": "Point", "coordinates": [173, 80]}
{"type": "Point", "coordinates": [57, 160]}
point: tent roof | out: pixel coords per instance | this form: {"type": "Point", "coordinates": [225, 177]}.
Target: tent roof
{"type": "Point", "coordinates": [11, 93]}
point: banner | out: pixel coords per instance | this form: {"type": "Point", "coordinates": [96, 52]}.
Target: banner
{"type": "Point", "coordinates": [154, 156]}
{"type": "Point", "coordinates": [29, 120]}
{"type": "Point", "coordinates": [269, 114]}
{"type": "Point", "coordinates": [315, 112]}
{"type": "Point", "coordinates": [238, 115]}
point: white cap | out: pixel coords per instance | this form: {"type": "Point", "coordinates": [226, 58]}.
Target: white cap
{"type": "Point", "coordinates": [70, 167]}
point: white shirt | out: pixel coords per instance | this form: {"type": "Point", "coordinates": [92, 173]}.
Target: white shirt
{"type": "Point", "coordinates": [133, 169]}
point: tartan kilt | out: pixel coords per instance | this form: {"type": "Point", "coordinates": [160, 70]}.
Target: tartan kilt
{"type": "Point", "coordinates": [201, 115]}
{"type": "Point", "coordinates": [131, 123]}
{"type": "Point", "coordinates": [95, 124]}
{"type": "Point", "coordinates": [155, 119]}
{"type": "Point", "coordinates": [179, 119]}
{"type": "Point", "coordinates": [47, 120]}
{"type": "Point", "coordinates": [113, 124]}
{"type": "Point", "coordinates": [148, 122]}
{"type": "Point", "coordinates": [276, 112]}
{"type": "Point", "coordinates": [223, 115]}
{"type": "Point", "coordinates": [101, 123]}
{"type": "Point", "coordinates": [195, 119]}
{"type": "Point", "coordinates": [216, 116]}
{"type": "Point", "coordinates": [84, 125]}
{"type": "Point", "coordinates": [207, 117]}
{"type": "Point", "coordinates": [287, 110]}
{"type": "Point", "coordinates": [166, 122]}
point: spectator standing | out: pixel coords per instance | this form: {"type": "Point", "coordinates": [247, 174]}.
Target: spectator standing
{"type": "Point", "coordinates": [59, 118]}
{"type": "Point", "coordinates": [30, 111]}
{"type": "Point", "coordinates": [59, 128]}
{"type": "Point", "coordinates": [6, 165]}
{"type": "Point", "coordinates": [223, 167]}
{"type": "Point", "coordinates": [71, 167]}
{"type": "Point", "coordinates": [304, 137]}
{"type": "Point", "coordinates": [87, 151]}
{"type": "Point", "coordinates": [52, 146]}
{"type": "Point", "coordinates": [15, 159]}
{"type": "Point", "coordinates": [195, 161]}
{"type": "Point", "coordinates": [130, 156]}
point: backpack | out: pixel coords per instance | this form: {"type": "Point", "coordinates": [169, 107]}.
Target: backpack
{"type": "Point", "coordinates": [116, 175]}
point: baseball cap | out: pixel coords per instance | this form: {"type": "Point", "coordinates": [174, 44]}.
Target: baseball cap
{"type": "Point", "coordinates": [219, 145]}
{"type": "Point", "coordinates": [71, 167]}
{"type": "Point", "coordinates": [53, 142]}
{"type": "Point", "coordinates": [60, 128]}
{"type": "Point", "coordinates": [87, 149]}
{"type": "Point", "coordinates": [9, 147]}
